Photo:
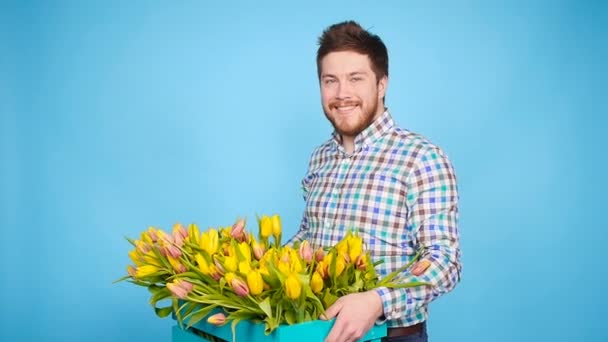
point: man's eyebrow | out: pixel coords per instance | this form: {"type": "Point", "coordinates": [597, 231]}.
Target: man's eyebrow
{"type": "Point", "coordinates": [358, 72]}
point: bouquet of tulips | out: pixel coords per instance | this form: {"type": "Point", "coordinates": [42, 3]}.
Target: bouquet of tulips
{"type": "Point", "coordinates": [248, 277]}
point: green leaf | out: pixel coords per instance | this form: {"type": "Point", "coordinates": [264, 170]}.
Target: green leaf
{"type": "Point", "coordinates": [222, 284]}
{"type": "Point", "coordinates": [407, 285]}
{"type": "Point", "coordinates": [162, 259]}
{"type": "Point", "coordinates": [265, 306]}
{"type": "Point", "coordinates": [275, 272]}
{"type": "Point", "coordinates": [329, 299]}
{"type": "Point", "coordinates": [332, 268]}
{"type": "Point", "coordinates": [393, 274]}
{"type": "Point", "coordinates": [140, 283]}
{"type": "Point", "coordinates": [121, 279]}
{"type": "Point", "coordinates": [154, 289]}
{"type": "Point", "coordinates": [189, 274]}
{"type": "Point", "coordinates": [279, 312]}
{"type": "Point", "coordinates": [159, 295]}
{"type": "Point", "coordinates": [270, 325]}
{"type": "Point", "coordinates": [316, 302]}
{"type": "Point", "coordinates": [131, 241]}
{"type": "Point", "coordinates": [163, 312]}
{"type": "Point", "coordinates": [233, 328]}
{"type": "Point", "coordinates": [290, 317]}
{"type": "Point", "coordinates": [196, 316]}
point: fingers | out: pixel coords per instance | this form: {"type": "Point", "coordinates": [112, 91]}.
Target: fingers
{"type": "Point", "coordinates": [420, 267]}
{"type": "Point", "coordinates": [332, 311]}
{"type": "Point", "coordinates": [341, 332]}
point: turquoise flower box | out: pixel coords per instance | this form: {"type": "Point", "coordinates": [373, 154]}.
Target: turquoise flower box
{"type": "Point", "coordinates": [254, 332]}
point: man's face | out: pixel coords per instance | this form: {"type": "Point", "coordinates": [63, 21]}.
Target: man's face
{"type": "Point", "coordinates": [350, 94]}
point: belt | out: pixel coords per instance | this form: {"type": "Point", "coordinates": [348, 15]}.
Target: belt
{"type": "Point", "coordinates": [405, 331]}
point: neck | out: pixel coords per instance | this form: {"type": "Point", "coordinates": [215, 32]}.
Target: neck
{"type": "Point", "coordinates": [348, 143]}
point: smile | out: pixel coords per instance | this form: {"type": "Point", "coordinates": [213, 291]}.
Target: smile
{"type": "Point", "coordinates": [345, 109]}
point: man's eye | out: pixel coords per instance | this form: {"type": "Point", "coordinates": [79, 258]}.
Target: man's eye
{"type": "Point", "coordinates": [329, 81]}
{"type": "Point", "coordinates": [356, 79]}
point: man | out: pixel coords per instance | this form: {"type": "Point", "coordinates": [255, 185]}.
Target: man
{"type": "Point", "coordinates": [392, 185]}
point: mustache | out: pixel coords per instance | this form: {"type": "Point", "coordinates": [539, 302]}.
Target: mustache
{"type": "Point", "coordinates": [341, 103]}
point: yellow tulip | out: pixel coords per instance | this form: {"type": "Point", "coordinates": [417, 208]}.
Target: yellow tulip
{"type": "Point", "coordinates": [245, 250]}
{"type": "Point", "coordinates": [145, 237]}
{"type": "Point", "coordinates": [328, 258]}
{"type": "Point", "coordinates": [342, 246]}
{"type": "Point", "coordinates": [178, 267]}
{"type": "Point", "coordinates": [244, 267]}
{"type": "Point", "coordinates": [355, 247]}
{"type": "Point", "coordinates": [293, 288]}
{"type": "Point", "coordinates": [193, 233]}
{"type": "Point", "coordinates": [136, 258]}
{"type": "Point", "coordinates": [316, 283]}
{"type": "Point", "coordinates": [269, 256]}
{"type": "Point", "coordinates": [322, 269]}
{"type": "Point", "coordinates": [265, 227]}
{"type": "Point", "coordinates": [150, 258]}
{"type": "Point", "coordinates": [284, 267]}
{"type": "Point", "coordinates": [264, 270]}
{"type": "Point", "coordinates": [210, 241]}
{"type": "Point", "coordinates": [226, 232]}
{"type": "Point", "coordinates": [340, 266]}
{"type": "Point", "coordinates": [229, 249]}
{"type": "Point", "coordinates": [229, 276]}
{"type": "Point", "coordinates": [146, 270]}
{"type": "Point", "coordinates": [203, 265]}
{"type": "Point", "coordinates": [255, 282]}
{"type": "Point", "coordinates": [295, 262]}
{"type": "Point", "coordinates": [276, 226]}
{"type": "Point", "coordinates": [231, 263]}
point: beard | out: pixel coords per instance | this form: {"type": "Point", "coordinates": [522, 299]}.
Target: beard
{"type": "Point", "coordinates": [363, 119]}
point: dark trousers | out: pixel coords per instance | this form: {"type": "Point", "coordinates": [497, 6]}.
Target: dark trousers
{"type": "Point", "coordinates": [415, 337]}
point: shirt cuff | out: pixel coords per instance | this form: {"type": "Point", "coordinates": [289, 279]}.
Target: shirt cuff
{"type": "Point", "coordinates": [389, 308]}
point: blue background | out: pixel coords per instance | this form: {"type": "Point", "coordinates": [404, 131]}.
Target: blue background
{"type": "Point", "coordinates": [119, 115]}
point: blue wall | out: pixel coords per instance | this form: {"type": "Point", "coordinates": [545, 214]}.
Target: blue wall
{"type": "Point", "coordinates": [118, 115]}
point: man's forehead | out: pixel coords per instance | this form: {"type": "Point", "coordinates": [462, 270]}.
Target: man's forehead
{"type": "Point", "coordinates": [345, 62]}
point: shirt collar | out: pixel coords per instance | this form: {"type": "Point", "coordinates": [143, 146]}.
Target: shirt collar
{"type": "Point", "coordinates": [369, 135]}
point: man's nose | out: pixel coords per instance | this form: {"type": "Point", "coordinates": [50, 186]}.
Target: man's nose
{"type": "Point", "coordinates": [344, 91]}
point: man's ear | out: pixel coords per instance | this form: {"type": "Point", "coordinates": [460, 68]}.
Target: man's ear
{"type": "Point", "coordinates": [382, 85]}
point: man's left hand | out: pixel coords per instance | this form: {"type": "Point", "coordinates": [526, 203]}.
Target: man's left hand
{"type": "Point", "coordinates": [356, 314]}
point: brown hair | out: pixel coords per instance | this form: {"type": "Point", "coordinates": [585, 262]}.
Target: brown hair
{"type": "Point", "coordinates": [350, 36]}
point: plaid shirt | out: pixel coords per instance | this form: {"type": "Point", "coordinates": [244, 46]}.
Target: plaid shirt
{"type": "Point", "coordinates": [399, 192]}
